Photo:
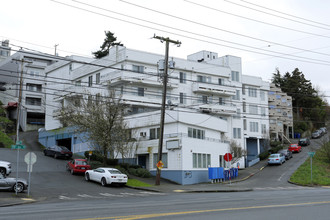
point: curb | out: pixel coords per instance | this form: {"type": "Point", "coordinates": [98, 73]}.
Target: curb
{"type": "Point", "coordinates": [20, 202]}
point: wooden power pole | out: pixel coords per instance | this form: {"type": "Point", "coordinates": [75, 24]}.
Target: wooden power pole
{"type": "Point", "coordinates": [162, 117]}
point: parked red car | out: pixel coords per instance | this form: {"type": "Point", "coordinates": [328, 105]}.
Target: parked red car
{"type": "Point", "coordinates": [294, 148]}
{"type": "Point", "coordinates": [78, 166]}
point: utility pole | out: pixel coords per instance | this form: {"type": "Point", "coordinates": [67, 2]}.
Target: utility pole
{"type": "Point", "coordinates": [55, 49]}
{"type": "Point", "coordinates": [19, 104]}
{"type": "Point", "coordinates": [162, 117]}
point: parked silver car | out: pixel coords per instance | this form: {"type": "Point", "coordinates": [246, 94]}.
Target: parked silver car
{"type": "Point", "coordinates": [8, 183]}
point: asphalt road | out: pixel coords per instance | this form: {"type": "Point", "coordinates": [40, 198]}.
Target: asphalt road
{"type": "Point", "coordinates": [313, 203]}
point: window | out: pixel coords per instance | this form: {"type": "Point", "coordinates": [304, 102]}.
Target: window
{"type": "Point", "coordinates": [263, 111]}
{"type": "Point", "coordinates": [221, 81]}
{"type": "Point", "coordinates": [183, 77]}
{"type": "Point", "coordinates": [252, 92]}
{"type": "Point", "coordinates": [33, 101]}
{"type": "Point", "coordinates": [221, 101]}
{"type": "Point", "coordinates": [98, 98]}
{"type": "Point", "coordinates": [196, 133]}
{"type": "Point", "coordinates": [235, 76]}
{"type": "Point", "coordinates": [78, 83]}
{"type": "Point", "coordinates": [238, 114]}
{"type": "Point", "coordinates": [33, 87]}
{"type": "Point", "coordinates": [183, 98]}
{"type": "Point", "coordinates": [204, 99]}
{"type": "Point", "coordinates": [278, 97]}
{"type": "Point", "coordinates": [138, 69]}
{"type": "Point", "coordinates": [203, 79]}
{"type": "Point", "coordinates": [244, 125]}
{"type": "Point", "coordinates": [253, 109]}
{"type": "Point", "coordinates": [244, 106]}
{"type": "Point", "coordinates": [262, 96]}
{"type": "Point", "coordinates": [34, 73]}
{"type": "Point", "coordinates": [243, 89]}
{"type": "Point", "coordinates": [263, 129]}
{"type": "Point", "coordinates": [254, 126]}
{"type": "Point", "coordinates": [271, 93]}
{"type": "Point", "coordinates": [90, 81]}
{"type": "Point", "coordinates": [154, 133]}
{"type": "Point", "coordinates": [164, 160]}
{"type": "Point", "coordinates": [140, 91]}
{"type": "Point", "coordinates": [98, 78]}
{"type": "Point", "coordinates": [237, 96]}
{"type": "Point", "coordinates": [201, 160]}
{"type": "Point", "coordinates": [237, 133]}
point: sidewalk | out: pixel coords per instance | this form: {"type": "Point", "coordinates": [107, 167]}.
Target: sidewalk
{"type": "Point", "coordinates": [170, 187]}
{"type": "Point", "coordinates": [164, 187]}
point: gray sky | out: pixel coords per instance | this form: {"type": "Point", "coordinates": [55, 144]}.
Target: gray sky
{"type": "Point", "coordinates": [266, 34]}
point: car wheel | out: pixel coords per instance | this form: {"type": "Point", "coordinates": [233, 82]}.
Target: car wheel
{"type": "Point", "coordinates": [87, 177]}
{"type": "Point", "coordinates": [19, 187]}
{"type": "Point", "coordinates": [3, 171]}
{"type": "Point", "coordinates": [72, 172]}
{"type": "Point", "coordinates": [103, 181]}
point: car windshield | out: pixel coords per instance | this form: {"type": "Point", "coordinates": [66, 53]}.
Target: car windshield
{"type": "Point", "coordinates": [273, 156]}
{"type": "Point", "coordinates": [81, 162]}
{"type": "Point", "coordinates": [303, 139]}
{"type": "Point", "coordinates": [63, 148]}
{"type": "Point", "coordinates": [114, 171]}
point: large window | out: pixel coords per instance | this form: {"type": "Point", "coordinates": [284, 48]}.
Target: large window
{"type": "Point", "coordinates": [201, 160]}
{"type": "Point", "coordinates": [252, 92]}
{"type": "Point", "coordinates": [33, 87]}
{"type": "Point", "coordinates": [138, 69]}
{"type": "Point", "coordinates": [154, 133]}
{"type": "Point", "coordinates": [237, 96]}
{"type": "Point", "coordinates": [237, 133]}
{"type": "Point", "coordinates": [196, 133]}
{"type": "Point", "coordinates": [254, 126]}
{"type": "Point", "coordinates": [235, 76]}
{"type": "Point", "coordinates": [253, 109]}
{"type": "Point", "coordinates": [263, 129]}
{"type": "Point", "coordinates": [262, 96]}
{"type": "Point", "coordinates": [164, 160]}
{"type": "Point", "coordinates": [140, 91]}
{"type": "Point", "coordinates": [183, 77]}
{"type": "Point", "coordinates": [98, 78]}
{"type": "Point", "coordinates": [90, 81]}
{"type": "Point", "coordinates": [203, 79]}
{"type": "Point", "coordinates": [183, 98]}
{"type": "Point", "coordinates": [263, 111]}
{"type": "Point", "coordinates": [33, 101]}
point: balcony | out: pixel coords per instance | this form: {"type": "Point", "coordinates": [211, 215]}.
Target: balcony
{"type": "Point", "coordinates": [218, 109]}
{"type": "Point", "coordinates": [120, 77]}
{"type": "Point", "coordinates": [214, 89]}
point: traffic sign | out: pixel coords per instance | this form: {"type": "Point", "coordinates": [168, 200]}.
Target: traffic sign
{"type": "Point", "coordinates": [311, 154]}
{"type": "Point", "coordinates": [228, 157]}
{"type": "Point", "coordinates": [160, 164]}
{"type": "Point", "coordinates": [30, 158]}
{"type": "Point", "coordinates": [18, 145]}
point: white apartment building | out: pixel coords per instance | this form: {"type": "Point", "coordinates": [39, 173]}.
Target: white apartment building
{"type": "Point", "coordinates": [4, 50]}
{"type": "Point", "coordinates": [207, 107]}
{"type": "Point", "coordinates": [31, 71]}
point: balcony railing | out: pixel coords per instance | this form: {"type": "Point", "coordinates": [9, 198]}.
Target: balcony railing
{"type": "Point", "coordinates": [214, 89]}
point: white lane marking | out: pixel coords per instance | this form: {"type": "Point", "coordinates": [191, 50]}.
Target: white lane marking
{"type": "Point", "coordinates": [66, 198]}
{"type": "Point", "coordinates": [110, 195]}
{"type": "Point", "coordinates": [87, 196]}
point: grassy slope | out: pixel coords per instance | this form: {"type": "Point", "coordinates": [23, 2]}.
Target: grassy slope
{"type": "Point", "coordinates": [320, 168]}
{"type": "Point", "coordinates": [6, 140]}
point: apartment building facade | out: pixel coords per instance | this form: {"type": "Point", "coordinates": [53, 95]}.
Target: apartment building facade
{"type": "Point", "coordinates": [280, 114]}
{"type": "Point", "coordinates": [26, 69]}
{"type": "Point", "coordinates": [205, 109]}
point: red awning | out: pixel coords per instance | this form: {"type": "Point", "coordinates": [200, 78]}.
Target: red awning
{"type": "Point", "coordinates": [12, 104]}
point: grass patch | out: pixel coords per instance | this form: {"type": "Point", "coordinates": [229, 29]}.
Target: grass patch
{"type": "Point", "coordinates": [7, 141]}
{"type": "Point", "coordinates": [321, 171]}
{"type": "Point", "coordinates": [137, 183]}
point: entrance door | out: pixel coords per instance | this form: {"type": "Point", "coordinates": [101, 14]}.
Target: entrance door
{"type": "Point", "coordinates": [142, 161]}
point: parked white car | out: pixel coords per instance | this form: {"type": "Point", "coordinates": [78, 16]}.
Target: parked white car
{"type": "Point", "coordinates": [106, 176]}
{"type": "Point", "coordinates": [5, 168]}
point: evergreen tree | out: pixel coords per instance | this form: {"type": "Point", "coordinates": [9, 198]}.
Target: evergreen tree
{"type": "Point", "coordinates": [109, 41]}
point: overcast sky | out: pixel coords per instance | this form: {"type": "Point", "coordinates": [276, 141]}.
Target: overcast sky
{"type": "Point", "coordinates": [266, 34]}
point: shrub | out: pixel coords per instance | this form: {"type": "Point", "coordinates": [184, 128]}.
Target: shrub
{"type": "Point", "coordinates": [132, 171]}
{"type": "Point", "coordinates": [121, 169]}
{"type": "Point", "coordinates": [95, 164]}
{"type": "Point", "coordinates": [144, 173]}
{"type": "Point", "coordinates": [274, 150]}
{"type": "Point", "coordinates": [263, 155]}
{"type": "Point", "coordinates": [112, 162]}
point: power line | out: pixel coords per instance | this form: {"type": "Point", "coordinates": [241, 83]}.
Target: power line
{"type": "Point", "coordinates": [197, 39]}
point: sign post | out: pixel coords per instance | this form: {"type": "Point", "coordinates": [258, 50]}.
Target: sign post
{"type": "Point", "coordinates": [311, 154]}
{"type": "Point", "coordinates": [17, 146]}
{"type": "Point", "coordinates": [228, 157]}
{"type": "Point", "coordinates": [30, 158]}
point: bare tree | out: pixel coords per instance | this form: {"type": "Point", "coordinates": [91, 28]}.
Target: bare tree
{"type": "Point", "coordinates": [126, 145]}
{"type": "Point", "coordinates": [236, 151]}
{"type": "Point", "coordinates": [100, 117]}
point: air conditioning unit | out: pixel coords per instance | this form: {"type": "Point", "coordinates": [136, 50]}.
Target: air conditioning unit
{"type": "Point", "coordinates": [143, 134]}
